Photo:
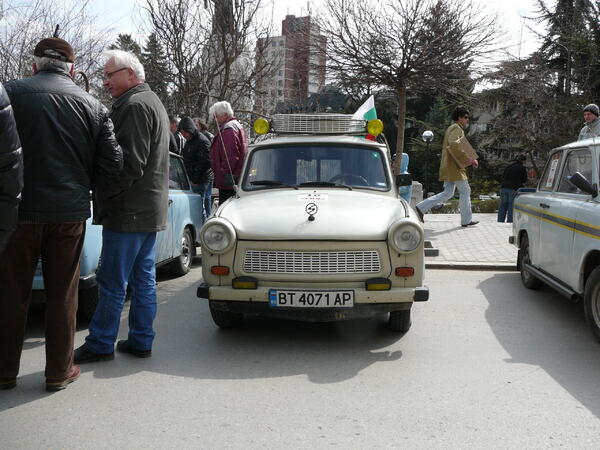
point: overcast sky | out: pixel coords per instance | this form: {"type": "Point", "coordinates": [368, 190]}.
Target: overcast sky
{"type": "Point", "coordinates": [120, 14]}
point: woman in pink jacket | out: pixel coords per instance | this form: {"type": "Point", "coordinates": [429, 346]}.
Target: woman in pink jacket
{"type": "Point", "coordinates": [228, 150]}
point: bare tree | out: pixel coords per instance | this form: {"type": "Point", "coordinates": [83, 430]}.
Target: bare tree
{"type": "Point", "coordinates": [208, 50]}
{"type": "Point", "coordinates": [407, 45]}
{"type": "Point", "coordinates": [24, 23]}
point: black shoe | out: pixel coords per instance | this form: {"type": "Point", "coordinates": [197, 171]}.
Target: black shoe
{"type": "Point", "coordinates": [8, 383]}
{"type": "Point", "coordinates": [125, 347]}
{"type": "Point", "coordinates": [471, 223]}
{"type": "Point", "coordinates": [84, 355]}
{"type": "Point", "coordinates": [420, 214]}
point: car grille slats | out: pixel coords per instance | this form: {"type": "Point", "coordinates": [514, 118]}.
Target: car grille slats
{"type": "Point", "coordinates": [321, 262]}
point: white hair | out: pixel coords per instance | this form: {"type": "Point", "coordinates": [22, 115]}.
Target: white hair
{"type": "Point", "coordinates": [43, 62]}
{"type": "Point", "coordinates": [220, 109]}
{"type": "Point", "coordinates": [126, 59]}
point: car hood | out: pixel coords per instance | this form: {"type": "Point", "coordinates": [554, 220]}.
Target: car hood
{"type": "Point", "coordinates": [340, 215]}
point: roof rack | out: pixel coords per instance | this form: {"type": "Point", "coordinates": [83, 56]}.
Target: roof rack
{"type": "Point", "coordinates": [317, 124]}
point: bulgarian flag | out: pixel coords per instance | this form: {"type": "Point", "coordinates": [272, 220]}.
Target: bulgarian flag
{"type": "Point", "coordinates": [366, 112]}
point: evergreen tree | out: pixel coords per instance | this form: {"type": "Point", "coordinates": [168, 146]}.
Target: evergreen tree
{"type": "Point", "coordinates": [126, 43]}
{"type": "Point", "coordinates": [570, 43]}
{"type": "Point", "coordinates": [155, 64]}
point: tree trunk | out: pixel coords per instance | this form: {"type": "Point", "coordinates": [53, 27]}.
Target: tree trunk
{"type": "Point", "coordinates": [401, 96]}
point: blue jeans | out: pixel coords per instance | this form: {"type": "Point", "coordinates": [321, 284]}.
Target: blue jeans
{"type": "Point", "coordinates": [205, 190]}
{"type": "Point", "coordinates": [505, 210]}
{"type": "Point", "coordinates": [127, 258]}
{"type": "Point", "coordinates": [464, 202]}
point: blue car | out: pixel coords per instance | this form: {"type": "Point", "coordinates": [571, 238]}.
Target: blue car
{"type": "Point", "coordinates": [175, 246]}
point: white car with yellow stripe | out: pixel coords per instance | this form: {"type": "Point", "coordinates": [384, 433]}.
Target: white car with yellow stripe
{"type": "Point", "coordinates": [317, 230]}
{"type": "Point", "coordinates": [557, 228]}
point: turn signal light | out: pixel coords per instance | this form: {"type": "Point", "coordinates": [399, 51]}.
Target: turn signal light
{"type": "Point", "coordinates": [219, 270]}
{"type": "Point", "coordinates": [378, 284]}
{"type": "Point", "coordinates": [405, 271]}
{"type": "Point", "coordinates": [375, 127]}
{"type": "Point", "coordinates": [244, 283]}
{"type": "Point", "coordinates": [261, 126]}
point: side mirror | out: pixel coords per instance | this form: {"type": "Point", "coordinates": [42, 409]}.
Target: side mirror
{"type": "Point", "coordinates": [583, 184]}
{"type": "Point", "coordinates": [404, 179]}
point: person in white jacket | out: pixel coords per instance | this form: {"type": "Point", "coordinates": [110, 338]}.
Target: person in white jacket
{"type": "Point", "coordinates": [591, 128]}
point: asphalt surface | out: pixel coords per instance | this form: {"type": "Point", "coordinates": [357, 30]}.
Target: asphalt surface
{"type": "Point", "coordinates": [486, 364]}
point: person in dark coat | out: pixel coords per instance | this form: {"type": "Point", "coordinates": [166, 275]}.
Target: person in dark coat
{"type": "Point", "coordinates": [196, 158]}
{"type": "Point", "coordinates": [132, 212]}
{"type": "Point", "coordinates": [69, 148]}
{"type": "Point", "coordinates": [513, 178]}
{"type": "Point", "coordinates": [201, 125]}
{"type": "Point", "coordinates": [11, 169]}
{"type": "Point", "coordinates": [176, 140]}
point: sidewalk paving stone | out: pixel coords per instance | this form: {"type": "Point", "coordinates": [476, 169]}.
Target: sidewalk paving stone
{"type": "Point", "coordinates": [483, 246]}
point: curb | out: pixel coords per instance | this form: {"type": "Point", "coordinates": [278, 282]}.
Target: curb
{"type": "Point", "coordinates": [471, 266]}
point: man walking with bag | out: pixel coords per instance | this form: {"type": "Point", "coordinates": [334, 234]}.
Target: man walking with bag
{"type": "Point", "coordinates": [452, 174]}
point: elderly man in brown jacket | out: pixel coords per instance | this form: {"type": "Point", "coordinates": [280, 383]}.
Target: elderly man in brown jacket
{"type": "Point", "coordinates": [454, 176]}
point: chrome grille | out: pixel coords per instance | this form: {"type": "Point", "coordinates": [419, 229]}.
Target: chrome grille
{"type": "Point", "coordinates": [280, 261]}
{"type": "Point", "coordinates": [318, 124]}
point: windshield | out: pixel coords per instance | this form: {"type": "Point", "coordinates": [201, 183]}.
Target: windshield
{"type": "Point", "coordinates": [316, 166]}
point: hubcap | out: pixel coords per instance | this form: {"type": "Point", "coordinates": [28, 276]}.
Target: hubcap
{"type": "Point", "coordinates": [185, 249]}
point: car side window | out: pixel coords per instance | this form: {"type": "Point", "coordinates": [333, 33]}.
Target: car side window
{"type": "Point", "coordinates": [577, 161]}
{"type": "Point", "coordinates": [177, 176]}
{"type": "Point", "coordinates": [550, 172]}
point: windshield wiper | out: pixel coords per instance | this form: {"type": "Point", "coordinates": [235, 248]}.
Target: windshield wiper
{"type": "Point", "coordinates": [272, 183]}
{"type": "Point", "coordinates": [324, 184]}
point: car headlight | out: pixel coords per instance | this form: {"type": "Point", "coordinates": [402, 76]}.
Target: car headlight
{"type": "Point", "coordinates": [218, 236]}
{"type": "Point", "coordinates": [405, 237]}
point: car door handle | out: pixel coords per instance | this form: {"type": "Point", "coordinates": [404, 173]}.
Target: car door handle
{"type": "Point", "coordinates": [170, 201]}
{"type": "Point", "coordinates": [545, 206]}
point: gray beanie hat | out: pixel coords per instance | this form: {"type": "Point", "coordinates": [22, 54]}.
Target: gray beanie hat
{"type": "Point", "coordinates": [593, 109]}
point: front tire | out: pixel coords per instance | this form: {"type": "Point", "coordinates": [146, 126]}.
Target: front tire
{"type": "Point", "coordinates": [527, 278]}
{"type": "Point", "coordinates": [592, 302]}
{"type": "Point", "coordinates": [400, 321]}
{"type": "Point", "coordinates": [183, 263]}
{"type": "Point", "coordinates": [226, 319]}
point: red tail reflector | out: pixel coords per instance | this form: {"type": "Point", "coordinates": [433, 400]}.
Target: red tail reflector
{"type": "Point", "coordinates": [405, 271]}
{"type": "Point", "coordinates": [219, 270]}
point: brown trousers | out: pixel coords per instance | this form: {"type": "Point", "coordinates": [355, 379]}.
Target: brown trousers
{"type": "Point", "coordinates": [59, 245]}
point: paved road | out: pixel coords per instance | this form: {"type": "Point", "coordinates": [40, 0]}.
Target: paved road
{"type": "Point", "coordinates": [486, 364]}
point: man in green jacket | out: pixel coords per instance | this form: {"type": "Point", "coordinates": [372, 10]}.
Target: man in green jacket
{"type": "Point", "coordinates": [132, 210]}
{"type": "Point", "coordinates": [454, 176]}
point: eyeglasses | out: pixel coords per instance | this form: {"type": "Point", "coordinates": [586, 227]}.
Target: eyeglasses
{"type": "Point", "coordinates": [108, 75]}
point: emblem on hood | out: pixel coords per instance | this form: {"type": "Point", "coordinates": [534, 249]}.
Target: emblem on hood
{"type": "Point", "coordinates": [311, 209]}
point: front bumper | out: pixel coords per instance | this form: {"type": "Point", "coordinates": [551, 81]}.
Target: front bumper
{"type": "Point", "coordinates": [366, 303]}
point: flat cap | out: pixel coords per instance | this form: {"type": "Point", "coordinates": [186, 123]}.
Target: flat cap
{"type": "Point", "coordinates": [56, 48]}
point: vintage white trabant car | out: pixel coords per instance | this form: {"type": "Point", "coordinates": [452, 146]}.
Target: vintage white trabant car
{"type": "Point", "coordinates": [557, 228]}
{"type": "Point", "coordinates": [317, 230]}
